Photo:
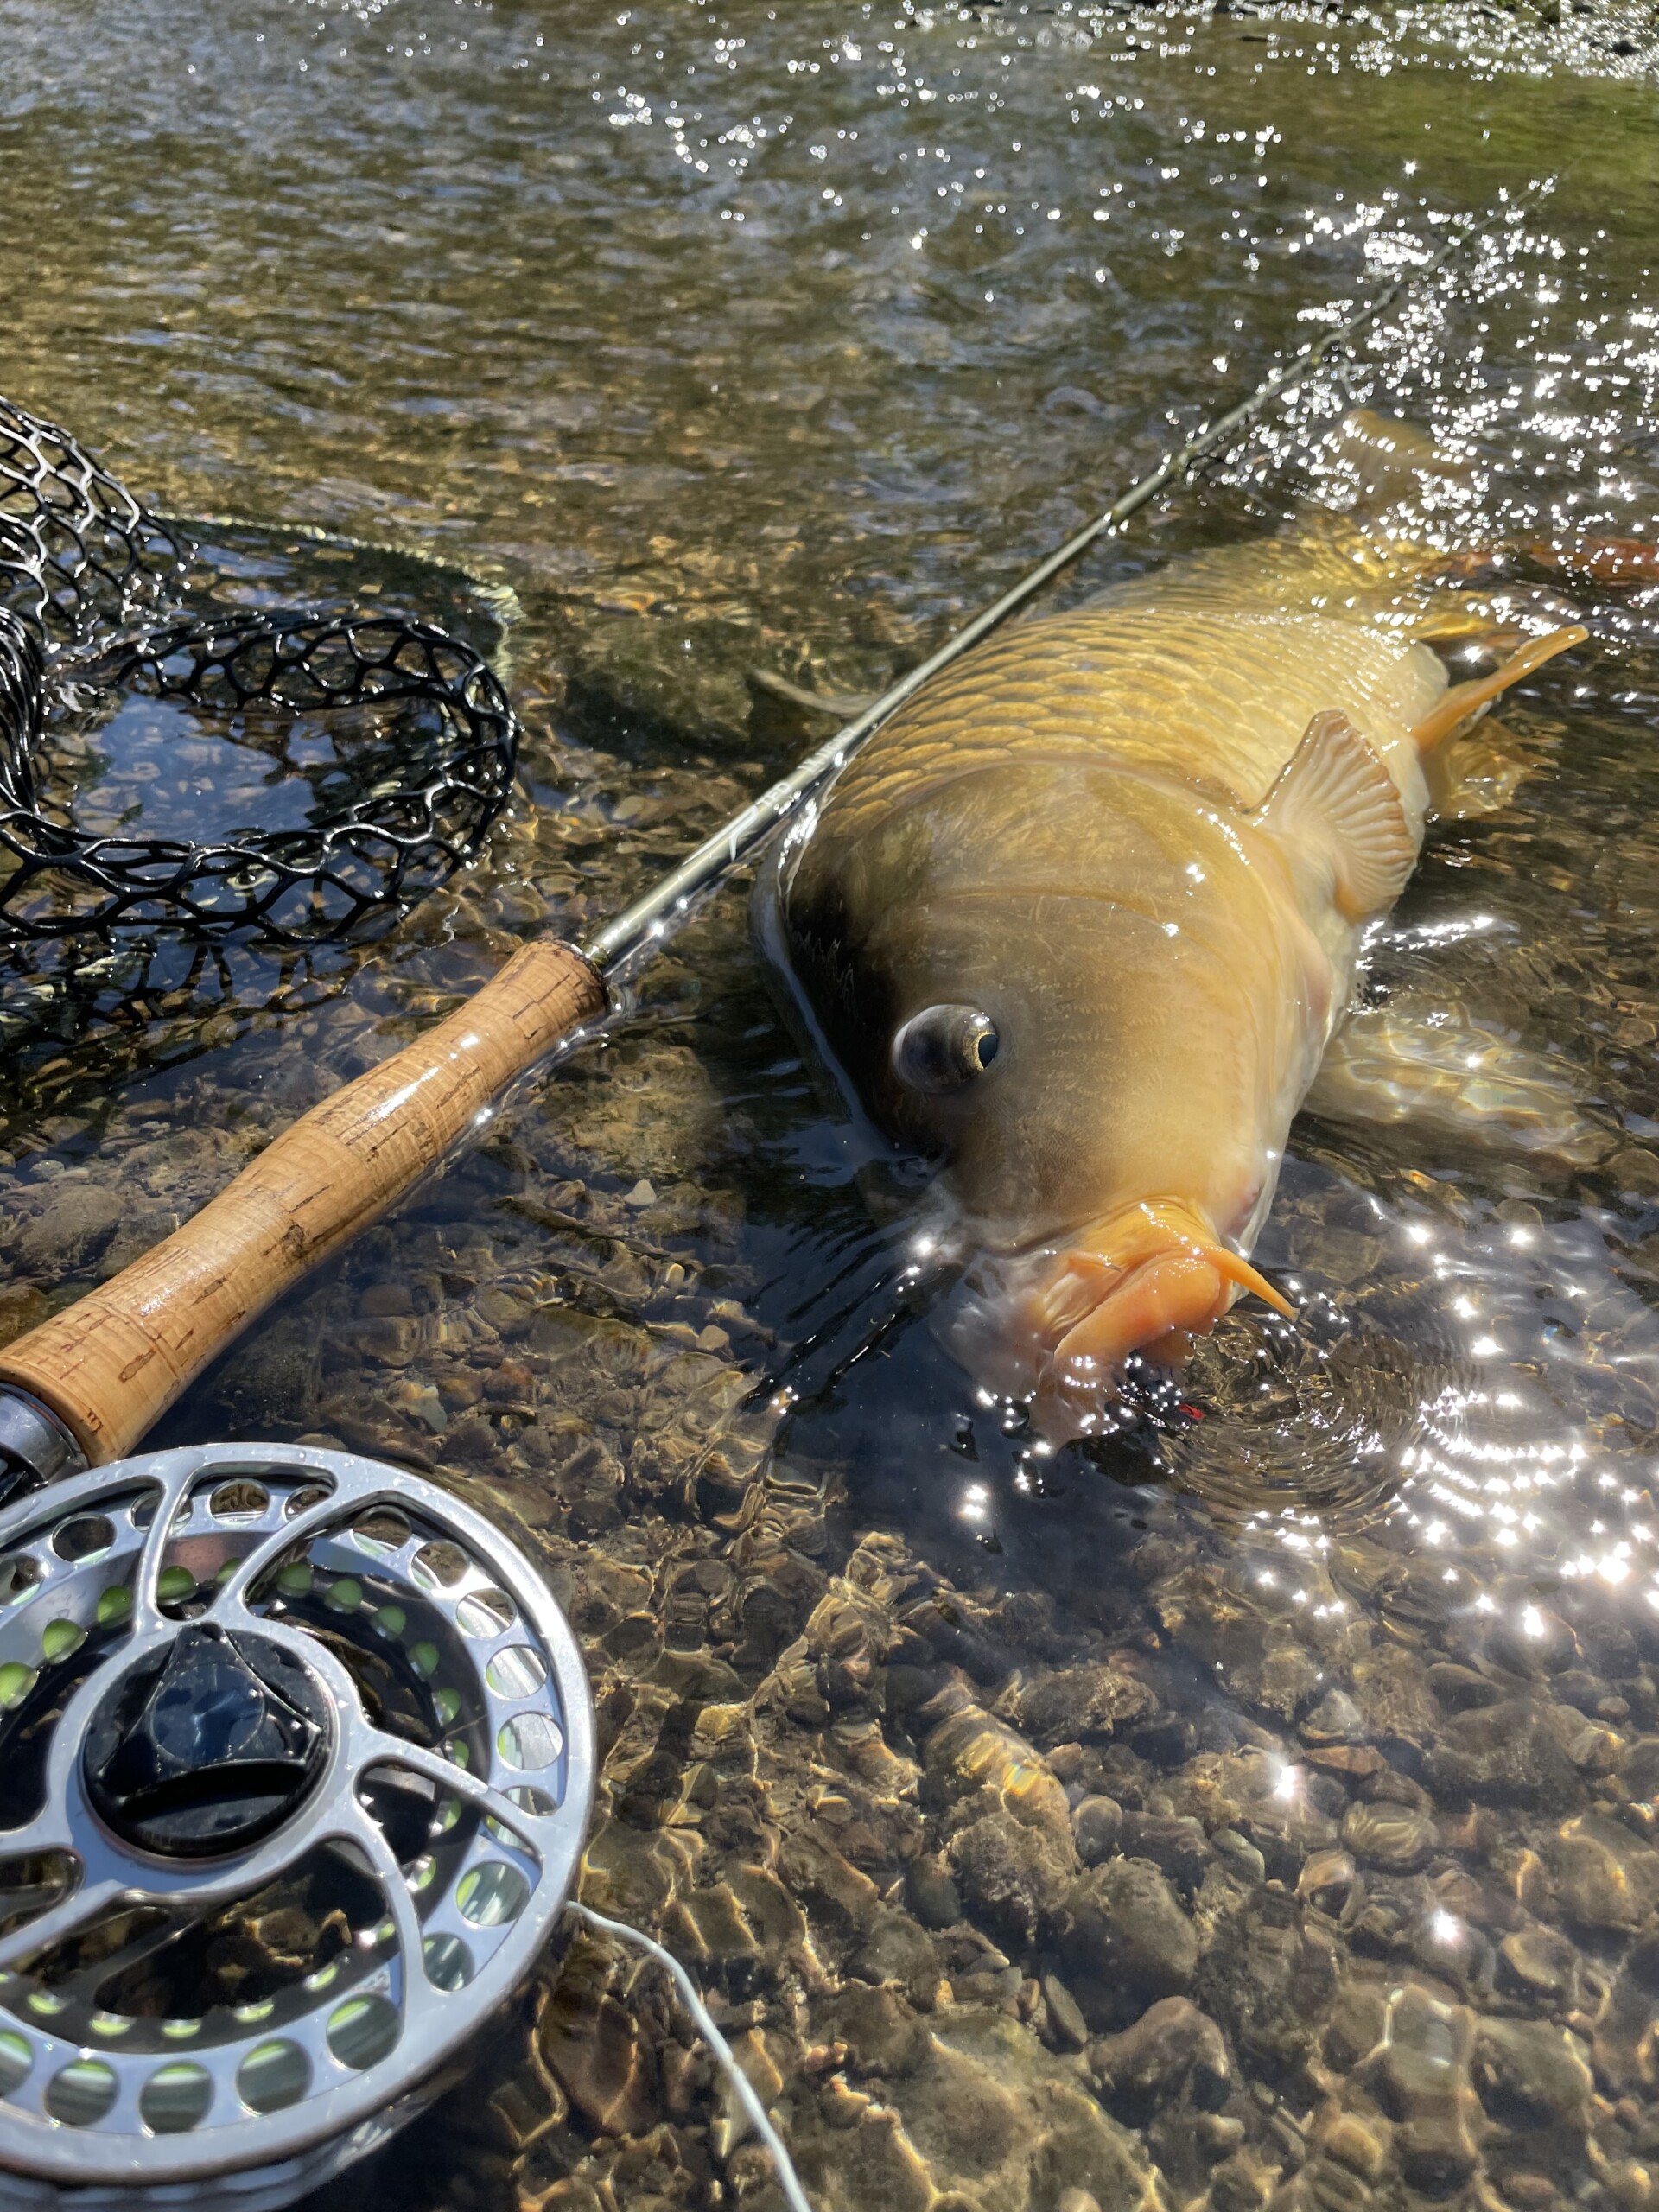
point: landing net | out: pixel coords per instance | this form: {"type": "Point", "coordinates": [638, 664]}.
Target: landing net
{"type": "Point", "coordinates": [93, 615]}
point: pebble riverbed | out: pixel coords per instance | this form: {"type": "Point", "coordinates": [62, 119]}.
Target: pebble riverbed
{"type": "Point", "coordinates": [1260, 1815]}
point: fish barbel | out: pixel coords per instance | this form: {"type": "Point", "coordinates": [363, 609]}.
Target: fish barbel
{"type": "Point", "coordinates": [1081, 920]}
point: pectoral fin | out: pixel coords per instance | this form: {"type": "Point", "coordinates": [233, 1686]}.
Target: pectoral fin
{"type": "Point", "coordinates": [840, 706]}
{"type": "Point", "coordinates": [1476, 774]}
{"type": "Point", "coordinates": [1432, 1063]}
{"type": "Point", "coordinates": [1336, 802]}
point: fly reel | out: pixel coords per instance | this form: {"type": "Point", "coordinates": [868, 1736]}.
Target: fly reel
{"type": "Point", "coordinates": [296, 1758]}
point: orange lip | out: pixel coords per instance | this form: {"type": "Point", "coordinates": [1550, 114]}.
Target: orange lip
{"type": "Point", "coordinates": [1147, 1280]}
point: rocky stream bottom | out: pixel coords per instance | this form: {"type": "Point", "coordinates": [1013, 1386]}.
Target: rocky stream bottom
{"type": "Point", "coordinates": [1207, 1891]}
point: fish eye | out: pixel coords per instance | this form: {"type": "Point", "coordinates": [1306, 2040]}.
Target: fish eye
{"type": "Point", "coordinates": [943, 1047]}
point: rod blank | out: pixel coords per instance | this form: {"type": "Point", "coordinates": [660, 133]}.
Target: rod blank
{"type": "Point", "coordinates": [662, 910]}
{"type": "Point", "coordinates": [108, 1367]}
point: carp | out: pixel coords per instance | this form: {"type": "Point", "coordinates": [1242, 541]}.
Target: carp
{"type": "Point", "coordinates": [1081, 920]}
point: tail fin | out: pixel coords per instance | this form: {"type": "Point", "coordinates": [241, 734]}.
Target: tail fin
{"type": "Point", "coordinates": [1464, 701]}
{"type": "Point", "coordinates": [1393, 460]}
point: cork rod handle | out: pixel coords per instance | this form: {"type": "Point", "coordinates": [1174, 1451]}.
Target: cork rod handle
{"type": "Point", "coordinates": [109, 1366]}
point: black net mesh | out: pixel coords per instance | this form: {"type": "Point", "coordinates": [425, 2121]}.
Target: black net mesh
{"type": "Point", "coordinates": [76, 549]}
{"type": "Point", "coordinates": [396, 735]}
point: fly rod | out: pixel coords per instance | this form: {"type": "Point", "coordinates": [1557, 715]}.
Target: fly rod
{"type": "Point", "coordinates": [663, 909]}
{"type": "Point", "coordinates": [83, 1388]}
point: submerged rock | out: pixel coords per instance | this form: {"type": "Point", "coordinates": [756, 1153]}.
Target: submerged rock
{"type": "Point", "coordinates": [1269, 1971]}
{"type": "Point", "coordinates": [1069, 2028]}
{"type": "Point", "coordinates": [1335, 1719]}
{"type": "Point", "coordinates": [1532, 2074]}
{"type": "Point", "coordinates": [934, 1898]}
{"type": "Point", "coordinates": [1606, 1877]}
{"type": "Point", "coordinates": [1241, 1854]}
{"type": "Point", "coordinates": [76, 1222]}
{"type": "Point", "coordinates": [1538, 1964]}
{"type": "Point", "coordinates": [1097, 1826]}
{"type": "Point", "coordinates": [968, 1751]}
{"type": "Point", "coordinates": [1171, 2044]}
{"type": "Point", "coordinates": [1009, 1872]}
{"type": "Point", "coordinates": [1327, 1880]}
{"type": "Point", "coordinates": [1420, 2074]}
{"type": "Point", "coordinates": [1124, 1924]}
{"type": "Point", "coordinates": [1078, 1703]}
{"type": "Point", "coordinates": [1501, 1754]}
{"type": "Point", "coordinates": [980, 2115]}
{"type": "Point", "coordinates": [1395, 1838]}
{"type": "Point", "coordinates": [1179, 1846]}
{"type": "Point", "coordinates": [593, 2045]}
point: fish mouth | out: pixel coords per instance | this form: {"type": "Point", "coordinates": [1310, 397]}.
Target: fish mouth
{"type": "Point", "coordinates": [1059, 1325]}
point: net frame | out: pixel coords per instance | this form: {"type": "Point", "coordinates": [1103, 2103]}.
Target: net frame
{"type": "Point", "coordinates": [86, 576]}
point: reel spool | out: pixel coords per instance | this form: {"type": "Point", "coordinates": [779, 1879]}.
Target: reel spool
{"type": "Point", "coordinates": [297, 1759]}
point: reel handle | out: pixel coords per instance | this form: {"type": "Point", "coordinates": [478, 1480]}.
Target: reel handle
{"type": "Point", "coordinates": [111, 1365]}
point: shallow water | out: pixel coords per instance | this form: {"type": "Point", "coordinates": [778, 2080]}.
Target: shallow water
{"type": "Point", "coordinates": [727, 339]}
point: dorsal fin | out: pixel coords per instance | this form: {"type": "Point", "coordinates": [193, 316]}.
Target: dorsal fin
{"type": "Point", "coordinates": [1337, 800]}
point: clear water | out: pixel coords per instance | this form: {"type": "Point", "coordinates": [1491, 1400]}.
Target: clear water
{"type": "Point", "coordinates": [737, 339]}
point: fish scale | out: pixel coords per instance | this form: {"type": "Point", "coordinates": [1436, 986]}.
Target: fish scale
{"type": "Point", "coordinates": [1221, 700]}
{"type": "Point", "coordinates": [1082, 920]}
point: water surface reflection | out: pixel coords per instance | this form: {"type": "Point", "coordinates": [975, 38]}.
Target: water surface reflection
{"type": "Point", "coordinates": [1259, 1809]}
